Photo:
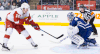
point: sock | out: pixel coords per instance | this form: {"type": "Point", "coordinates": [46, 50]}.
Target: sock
{"type": "Point", "coordinates": [6, 38]}
{"type": "Point", "coordinates": [28, 37]}
{"type": "Point", "coordinates": [31, 41]}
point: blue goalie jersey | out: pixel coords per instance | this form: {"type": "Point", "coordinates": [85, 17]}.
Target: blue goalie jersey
{"type": "Point", "coordinates": [84, 28]}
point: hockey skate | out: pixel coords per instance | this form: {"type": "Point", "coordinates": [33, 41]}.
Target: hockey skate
{"type": "Point", "coordinates": [83, 46]}
{"type": "Point", "coordinates": [5, 48]}
{"type": "Point", "coordinates": [92, 42]}
{"type": "Point", "coordinates": [34, 45]}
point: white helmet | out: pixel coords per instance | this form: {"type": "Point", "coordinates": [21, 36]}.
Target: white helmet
{"type": "Point", "coordinates": [25, 5]}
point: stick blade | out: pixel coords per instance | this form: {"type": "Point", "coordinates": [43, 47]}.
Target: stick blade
{"type": "Point", "coordinates": [60, 36]}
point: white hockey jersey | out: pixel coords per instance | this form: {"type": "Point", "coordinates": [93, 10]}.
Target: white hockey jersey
{"type": "Point", "coordinates": [17, 14]}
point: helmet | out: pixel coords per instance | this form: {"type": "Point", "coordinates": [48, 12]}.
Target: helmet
{"type": "Point", "coordinates": [25, 5]}
{"type": "Point", "coordinates": [70, 15]}
{"type": "Point", "coordinates": [82, 6]}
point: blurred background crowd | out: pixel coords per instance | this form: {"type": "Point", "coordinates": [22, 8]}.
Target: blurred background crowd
{"type": "Point", "coordinates": [11, 4]}
{"type": "Point", "coordinates": [50, 4]}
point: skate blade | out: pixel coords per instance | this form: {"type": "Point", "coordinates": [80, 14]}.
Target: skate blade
{"type": "Point", "coordinates": [93, 44]}
{"type": "Point", "coordinates": [4, 49]}
{"type": "Point", "coordinates": [81, 47]}
{"type": "Point", "coordinates": [35, 47]}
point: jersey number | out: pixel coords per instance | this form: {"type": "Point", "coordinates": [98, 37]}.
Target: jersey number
{"type": "Point", "coordinates": [18, 16]}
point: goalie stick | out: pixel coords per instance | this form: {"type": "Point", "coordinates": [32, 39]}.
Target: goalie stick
{"type": "Point", "coordinates": [50, 34]}
{"type": "Point", "coordinates": [63, 39]}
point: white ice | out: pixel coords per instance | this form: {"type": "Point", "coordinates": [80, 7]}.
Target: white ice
{"type": "Point", "coordinates": [45, 46]}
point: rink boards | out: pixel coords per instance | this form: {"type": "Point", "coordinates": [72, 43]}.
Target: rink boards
{"type": "Point", "coordinates": [52, 18]}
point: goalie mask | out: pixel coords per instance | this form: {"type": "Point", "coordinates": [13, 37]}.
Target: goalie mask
{"type": "Point", "coordinates": [70, 16]}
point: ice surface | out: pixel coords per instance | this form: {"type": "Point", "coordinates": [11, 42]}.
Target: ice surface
{"type": "Point", "coordinates": [22, 46]}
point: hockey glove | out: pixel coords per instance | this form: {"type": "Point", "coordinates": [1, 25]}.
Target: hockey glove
{"type": "Point", "coordinates": [36, 26]}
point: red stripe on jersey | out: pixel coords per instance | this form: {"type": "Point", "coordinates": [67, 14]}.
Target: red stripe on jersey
{"type": "Point", "coordinates": [6, 36]}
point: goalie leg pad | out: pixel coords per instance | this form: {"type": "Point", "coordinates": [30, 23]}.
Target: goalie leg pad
{"type": "Point", "coordinates": [77, 39]}
{"type": "Point", "coordinates": [72, 30]}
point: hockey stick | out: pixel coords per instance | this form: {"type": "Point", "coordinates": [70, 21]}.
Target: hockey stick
{"type": "Point", "coordinates": [63, 39]}
{"type": "Point", "coordinates": [59, 41]}
{"type": "Point", "coordinates": [50, 34]}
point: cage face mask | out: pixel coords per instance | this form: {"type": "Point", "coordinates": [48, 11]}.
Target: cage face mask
{"type": "Point", "coordinates": [70, 16]}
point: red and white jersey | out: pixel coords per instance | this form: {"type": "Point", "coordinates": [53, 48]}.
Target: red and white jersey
{"type": "Point", "coordinates": [17, 14]}
{"type": "Point", "coordinates": [18, 17]}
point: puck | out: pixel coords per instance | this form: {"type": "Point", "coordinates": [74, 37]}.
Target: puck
{"type": "Point", "coordinates": [41, 34]}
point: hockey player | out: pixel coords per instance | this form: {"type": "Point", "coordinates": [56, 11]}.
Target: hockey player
{"type": "Point", "coordinates": [79, 31]}
{"type": "Point", "coordinates": [88, 16]}
{"type": "Point", "coordinates": [15, 20]}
